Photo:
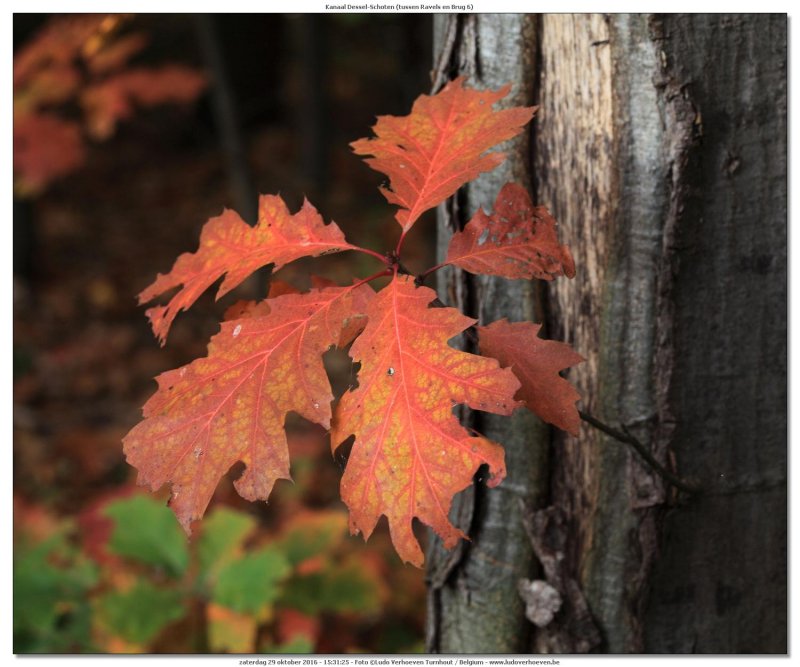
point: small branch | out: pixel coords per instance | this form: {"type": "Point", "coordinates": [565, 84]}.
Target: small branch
{"type": "Point", "coordinates": [641, 450]}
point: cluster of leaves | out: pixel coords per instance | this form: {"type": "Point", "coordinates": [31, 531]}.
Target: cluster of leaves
{"type": "Point", "coordinates": [73, 80]}
{"type": "Point", "coordinates": [51, 581]}
{"type": "Point", "coordinates": [122, 579]}
{"type": "Point", "coordinates": [410, 454]}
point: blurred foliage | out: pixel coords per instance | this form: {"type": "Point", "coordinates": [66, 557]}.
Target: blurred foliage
{"type": "Point", "coordinates": [146, 532]}
{"type": "Point", "coordinates": [138, 614]}
{"type": "Point", "coordinates": [125, 579]}
{"type": "Point", "coordinates": [72, 81]}
{"type": "Point", "coordinates": [51, 581]}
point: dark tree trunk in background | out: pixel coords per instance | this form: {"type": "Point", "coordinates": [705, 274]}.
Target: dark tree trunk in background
{"type": "Point", "coordinates": [660, 146]}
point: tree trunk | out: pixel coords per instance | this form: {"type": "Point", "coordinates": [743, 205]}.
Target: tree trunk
{"type": "Point", "coordinates": [474, 606]}
{"type": "Point", "coordinates": [660, 146]}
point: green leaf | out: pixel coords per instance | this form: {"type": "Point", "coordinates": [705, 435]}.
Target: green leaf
{"type": "Point", "coordinates": [139, 614]}
{"type": "Point", "coordinates": [146, 530]}
{"type": "Point", "coordinates": [313, 533]}
{"type": "Point", "coordinates": [223, 534]}
{"type": "Point", "coordinates": [50, 610]}
{"type": "Point", "coordinates": [252, 583]}
{"type": "Point", "coordinates": [340, 587]}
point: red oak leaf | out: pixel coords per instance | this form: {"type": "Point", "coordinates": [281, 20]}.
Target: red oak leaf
{"type": "Point", "coordinates": [231, 247]}
{"type": "Point", "coordinates": [231, 405]}
{"type": "Point", "coordinates": [355, 323]}
{"type": "Point", "coordinates": [536, 363]}
{"type": "Point", "coordinates": [441, 145]}
{"type": "Point", "coordinates": [242, 309]}
{"type": "Point", "coordinates": [410, 454]}
{"type": "Point", "coordinates": [518, 240]}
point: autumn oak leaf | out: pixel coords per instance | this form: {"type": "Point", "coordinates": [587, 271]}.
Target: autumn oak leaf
{"type": "Point", "coordinates": [231, 405]}
{"type": "Point", "coordinates": [517, 240]}
{"type": "Point", "coordinates": [441, 145]}
{"type": "Point", "coordinates": [410, 454]}
{"type": "Point", "coordinates": [231, 247]}
{"type": "Point", "coordinates": [251, 308]}
{"type": "Point", "coordinates": [536, 363]}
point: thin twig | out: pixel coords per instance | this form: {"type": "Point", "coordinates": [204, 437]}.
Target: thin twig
{"type": "Point", "coordinates": [374, 254]}
{"type": "Point", "coordinates": [375, 276]}
{"type": "Point", "coordinates": [641, 450]}
{"type": "Point", "coordinates": [422, 276]}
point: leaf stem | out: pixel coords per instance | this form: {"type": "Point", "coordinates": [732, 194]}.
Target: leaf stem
{"type": "Point", "coordinates": [421, 277]}
{"type": "Point", "coordinates": [376, 255]}
{"type": "Point", "coordinates": [386, 272]}
{"type": "Point", "coordinates": [400, 243]}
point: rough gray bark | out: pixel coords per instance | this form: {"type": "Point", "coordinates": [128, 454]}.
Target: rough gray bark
{"type": "Point", "coordinates": [660, 146]}
{"type": "Point", "coordinates": [601, 169]}
{"type": "Point", "coordinates": [720, 582]}
{"type": "Point", "coordinates": [684, 254]}
{"type": "Point", "coordinates": [475, 587]}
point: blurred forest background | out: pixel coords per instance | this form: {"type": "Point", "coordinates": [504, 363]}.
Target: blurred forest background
{"type": "Point", "coordinates": [101, 565]}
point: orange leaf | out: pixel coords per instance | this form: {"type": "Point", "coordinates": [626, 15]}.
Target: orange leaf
{"type": "Point", "coordinates": [45, 148]}
{"type": "Point", "coordinates": [242, 309]}
{"type": "Point", "coordinates": [47, 87]}
{"type": "Point", "coordinates": [58, 43]}
{"type": "Point", "coordinates": [411, 455]}
{"type": "Point", "coordinates": [536, 363]}
{"type": "Point", "coordinates": [114, 98]}
{"type": "Point", "coordinates": [281, 287]}
{"type": "Point", "coordinates": [230, 246]}
{"type": "Point", "coordinates": [432, 152]}
{"type": "Point", "coordinates": [291, 623]}
{"type": "Point", "coordinates": [231, 405]}
{"type": "Point", "coordinates": [518, 240]}
{"type": "Point", "coordinates": [230, 631]}
{"type": "Point", "coordinates": [113, 54]}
